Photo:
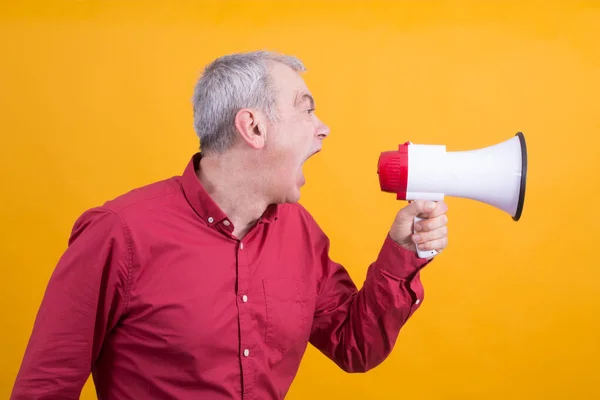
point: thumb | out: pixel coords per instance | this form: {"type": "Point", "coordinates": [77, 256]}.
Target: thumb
{"type": "Point", "coordinates": [416, 208]}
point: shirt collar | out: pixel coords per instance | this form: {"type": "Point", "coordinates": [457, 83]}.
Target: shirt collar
{"type": "Point", "coordinates": [201, 201]}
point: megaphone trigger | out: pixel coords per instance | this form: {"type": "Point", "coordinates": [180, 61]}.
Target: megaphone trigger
{"type": "Point", "coordinates": [424, 253]}
{"type": "Point", "coordinates": [495, 175]}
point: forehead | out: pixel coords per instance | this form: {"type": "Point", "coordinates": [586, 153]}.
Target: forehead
{"type": "Point", "coordinates": [289, 84]}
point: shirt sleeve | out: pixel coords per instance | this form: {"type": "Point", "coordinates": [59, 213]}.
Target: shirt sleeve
{"type": "Point", "coordinates": [357, 329]}
{"type": "Point", "coordinates": [84, 299]}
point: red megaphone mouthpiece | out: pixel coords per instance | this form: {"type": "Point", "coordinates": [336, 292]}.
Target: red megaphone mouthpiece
{"type": "Point", "coordinates": [392, 169]}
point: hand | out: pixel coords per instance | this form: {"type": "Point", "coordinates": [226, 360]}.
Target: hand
{"type": "Point", "coordinates": [431, 233]}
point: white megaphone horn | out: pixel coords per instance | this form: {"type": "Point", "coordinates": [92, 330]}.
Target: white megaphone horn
{"type": "Point", "coordinates": [495, 175]}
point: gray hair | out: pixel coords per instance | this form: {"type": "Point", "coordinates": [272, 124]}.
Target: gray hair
{"type": "Point", "coordinates": [229, 83]}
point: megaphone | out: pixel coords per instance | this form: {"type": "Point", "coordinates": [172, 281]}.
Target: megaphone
{"type": "Point", "coordinates": [495, 175]}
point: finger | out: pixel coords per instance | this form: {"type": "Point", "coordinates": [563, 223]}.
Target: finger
{"type": "Point", "coordinates": [423, 237]}
{"type": "Point", "coordinates": [437, 244]}
{"type": "Point", "coordinates": [414, 208]}
{"type": "Point", "coordinates": [422, 207]}
{"type": "Point", "coordinates": [432, 209]}
{"type": "Point", "coordinates": [431, 223]}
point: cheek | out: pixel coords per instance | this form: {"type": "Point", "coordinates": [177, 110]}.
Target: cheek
{"type": "Point", "coordinates": [283, 161]}
{"type": "Point", "coordinates": [291, 147]}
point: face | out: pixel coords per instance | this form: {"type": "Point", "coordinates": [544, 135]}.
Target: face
{"type": "Point", "coordinates": [295, 136]}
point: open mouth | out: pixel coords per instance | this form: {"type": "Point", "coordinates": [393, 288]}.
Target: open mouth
{"type": "Point", "coordinates": [301, 172]}
{"type": "Point", "coordinates": [312, 154]}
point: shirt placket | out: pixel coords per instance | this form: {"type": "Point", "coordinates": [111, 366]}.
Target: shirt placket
{"type": "Point", "coordinates": [246, 350]}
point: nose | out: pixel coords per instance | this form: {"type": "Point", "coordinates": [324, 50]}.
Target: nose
{"type": "Point", "coordinates": [322, 130]}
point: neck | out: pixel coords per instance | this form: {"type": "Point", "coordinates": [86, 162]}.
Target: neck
{"type": "Point", "coordinates": [229, 180]}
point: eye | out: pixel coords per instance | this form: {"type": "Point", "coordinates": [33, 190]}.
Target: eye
{"type": "Point", "coordinates": [310, 110]}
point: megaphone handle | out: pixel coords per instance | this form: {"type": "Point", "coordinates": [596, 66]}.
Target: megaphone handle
{"type": "Point", "coordinates": [424, 253]}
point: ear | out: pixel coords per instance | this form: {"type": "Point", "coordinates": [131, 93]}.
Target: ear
{"type": "Point", "coordinates": [251, 125]}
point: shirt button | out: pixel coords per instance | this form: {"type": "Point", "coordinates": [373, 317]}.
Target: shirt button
{"type": "Point", "coordinates": [244, 298]}
{"type": "Point", "coordinates": [226, 223]}
{"type": "Point", "coordinates": [211, 219]}
{"type": "Point", "coordinates": [241, 246]}
{"type": "Point", "coordinates": [246, 353]}
{"type": "Point", "coordinates": [418, 301]}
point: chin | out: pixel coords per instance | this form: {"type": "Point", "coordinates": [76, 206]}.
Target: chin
{"type": "Point", "coordinates": [293, 196]}
{"type": "Point", "coordinates": [290, 193]}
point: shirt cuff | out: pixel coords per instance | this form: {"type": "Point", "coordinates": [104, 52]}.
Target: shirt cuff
{"type": "Point", "coordinates": [398, 261]}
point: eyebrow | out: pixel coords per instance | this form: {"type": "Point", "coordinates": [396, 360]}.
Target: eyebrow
{"type": "Point", "coordinates": [305, 96]}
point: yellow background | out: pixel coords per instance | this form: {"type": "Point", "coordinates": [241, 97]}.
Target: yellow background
{"type": "Point", "coordinates": [95, 100]}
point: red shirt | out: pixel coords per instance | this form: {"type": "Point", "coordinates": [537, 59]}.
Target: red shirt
{"type": "Point", "coordinates": [157, 299]}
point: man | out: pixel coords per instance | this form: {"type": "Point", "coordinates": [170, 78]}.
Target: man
{"type": "Point", "coordinates": [210, 285]}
